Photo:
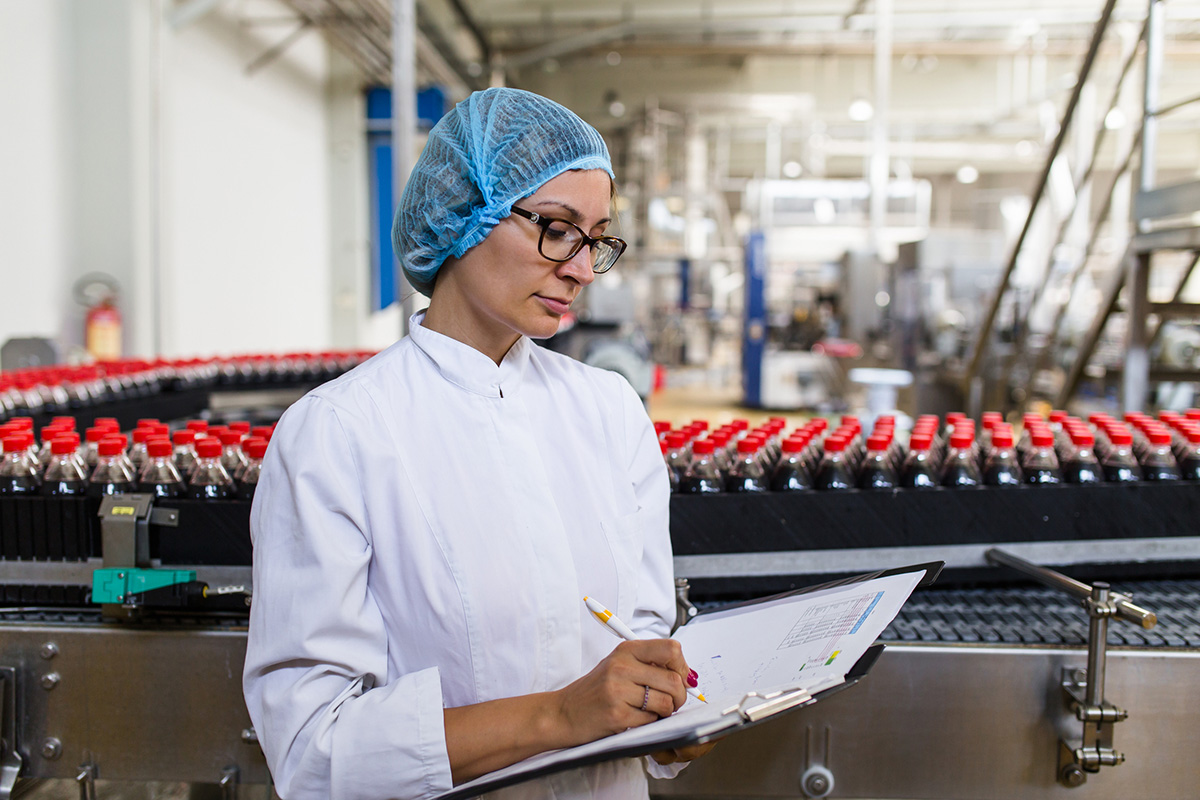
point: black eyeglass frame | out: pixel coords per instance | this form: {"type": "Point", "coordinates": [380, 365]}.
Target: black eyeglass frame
{"type": "Point", "coordinates": [584, 240]}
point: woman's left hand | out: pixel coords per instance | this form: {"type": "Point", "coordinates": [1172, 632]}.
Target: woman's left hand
{"type": "Point", "coordinates": [683, 753]}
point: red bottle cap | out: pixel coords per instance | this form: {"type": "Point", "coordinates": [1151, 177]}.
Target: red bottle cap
{"type": "Point", "coordinates": [1158, 436]}
{"type": "Point", "coordinates": [1192, 432]}
{"type": "Point", "coordinates": [1121, 437]}
{"type": "Point", "coordinates": [62, 446]}
{"type": "Point", "coordinates": [878, 441]}
{"type": "Point", "coordinates": [818, 425]}
{"type": "Point", "coordinates": [20, 423]}
{"type": "Point", "coordinates": [835, 443]}
{"type": "Point", "coordinates": [67, 423]}
{"type": "Point", "coordinates": [241, 425]}
{"type": "Point", "coordinates": [159, 448]}
{"type": "Point", "coordinates": [197, 425]}
{"type": "Point", "coordinates": [676, 440]}
{"type": "Point", "coordinates": [140, 435]}
{"type": "Point", "coordinates": [920, 441]}
{"type": "Point", "coordinates": [208, 447]}
{"type": "Point", "coordinates": [794, 444]}
{"type": "Point", "coordinates": [112, 446]}
{"type": "Point", "coordinates": [660, 427]}
{"type": "Point", "coordinates": [1193, 413]}
{"type": "Point", "coordinates": [962, 439]}
{"type": "Point", "coordinates": [230, 437]}
{"type": "Point", "coordinates": [263, 431]}
{"type": "Point", "coordinates": [106, 422]}
{"type": "Point", "coordinates": [183, 437]}
{"type": "Point", "coordinates": [955, 416]}
{"type": "Point", "coordinates": [1041, 438]}
{"type": "Point", "coordinates": [1082, 437]}
{"type": "Point", "coordinates": [255, 448]}
{"type": "Point", "coordinates": [147, 422]}
{"type": "Point", "coordinates": [1058, 416]}
{"type": "Point", "coordinates": [703, 447]}
{"type": "Point", "coordinates": [699, 424]}
{"type": "Point", "coordinates": [95, 434]}
{"type": "Point", "coordinates": [1002, 438]}
{"type": "Point", "coordinates": [720, 437]}
{"type": "Point", "coordinates": [749, 444]}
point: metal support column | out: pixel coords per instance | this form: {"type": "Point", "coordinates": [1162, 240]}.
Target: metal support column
{"type": "Point", "coordinates": [404, 123]}
{"type": "Point", "coordinates": [880, 160]}
{"type": "Point", "coordinates": [1136, 377]}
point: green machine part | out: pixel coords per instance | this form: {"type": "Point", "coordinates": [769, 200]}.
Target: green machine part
{"type": "Point", "coordinates": [114, 584]}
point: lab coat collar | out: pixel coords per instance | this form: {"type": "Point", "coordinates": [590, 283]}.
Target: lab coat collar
{"type": "Point", "coordinates": [466, 367]}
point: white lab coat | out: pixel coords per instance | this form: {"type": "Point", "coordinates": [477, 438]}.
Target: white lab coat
{"type": "Point", "coordinates": [425, 530]}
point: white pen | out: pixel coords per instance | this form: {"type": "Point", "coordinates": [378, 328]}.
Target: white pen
{"type": "Point", "coordinates": [614, 624]}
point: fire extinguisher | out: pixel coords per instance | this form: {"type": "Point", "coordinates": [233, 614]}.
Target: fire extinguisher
{"type": "Point", "coordinates": [102, 323]}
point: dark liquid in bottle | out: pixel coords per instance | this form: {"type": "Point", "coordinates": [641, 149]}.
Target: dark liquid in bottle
{"type": "Point", "coordinates": [64, 488]}
{"type": "Point", "coordinates": [19, 484]}
{"type": "Point", "coordinates": [211, 491]}
{"type": "Point", "coordinates": [834, 476]}
{"type": "Point", "coordinates": [919, 477]}
{"type": "Point", "coordinates": [1159, 472]}
{"type": "Point", "coordinates": [876, 478]}
{"type": "Point", "coordinates": [744, 483]}
{"type": "Point", "coordinates": [790, 478]}
{"type": "Point", "coordinates": [167, 490]}
{"type": "Point", "coordinates": [1120, 473]}
{"type": "Point", "coordinates": [959, 477]}
{"type": "Point", "coordinates": [1082, 472]}
{"type": "Point", "coordinates": [1000, 475]}
{"type": "Point", "coordinates": [1189, 469]}
{"type": "Point", "coordinates": [1042, 476]}
{"type": "Point", "coordinates": [102, 489]}
{"type": "Point", "coordinates": [246, 491]}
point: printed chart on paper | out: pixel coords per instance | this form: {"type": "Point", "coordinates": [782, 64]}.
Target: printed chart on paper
{"type": "Point", "coordinates": [828, 623]}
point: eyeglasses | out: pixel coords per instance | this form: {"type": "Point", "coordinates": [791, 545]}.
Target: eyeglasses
{"type": "Point", "coordinates": [561, 240]}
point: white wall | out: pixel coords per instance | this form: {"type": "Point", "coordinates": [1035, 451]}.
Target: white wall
{"type": "Point", "coordinates": [246, 180]}
{"type": "Point", "coordinates": [147, 152]}
{"type": "Point", "coordinates": [33, 229]}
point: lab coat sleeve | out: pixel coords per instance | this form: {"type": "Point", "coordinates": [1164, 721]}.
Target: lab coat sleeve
{"type": "Point", "coordinates": [332, 722]}
{"type": "Point", "coordinates": [655, 613]}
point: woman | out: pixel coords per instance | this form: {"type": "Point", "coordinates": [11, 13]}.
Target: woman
{"type": "Point", "coordinates": [427, 525]}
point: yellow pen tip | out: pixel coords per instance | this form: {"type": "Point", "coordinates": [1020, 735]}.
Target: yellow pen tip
{"type": "Point", "coordinates": [585, 598]}
{"type": "Point", "coordinates": [701, 697]}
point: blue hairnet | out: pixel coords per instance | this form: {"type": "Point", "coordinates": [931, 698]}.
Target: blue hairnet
{"type": "Point", "coordinates": [494, 148]}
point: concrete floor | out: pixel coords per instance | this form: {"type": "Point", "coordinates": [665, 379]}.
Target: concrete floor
{"type": "Point", "coordinates": [152, 790]}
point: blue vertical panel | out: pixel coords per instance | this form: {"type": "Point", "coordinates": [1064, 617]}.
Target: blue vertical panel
{"type": "Point", "coordinates": [754, 326]}
{"type": "Point", "coordinates": [431, 106]}
{"type": "Point", "coordinates": [685, 284]}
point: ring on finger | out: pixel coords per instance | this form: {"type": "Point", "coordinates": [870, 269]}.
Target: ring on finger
{"type": "Point", "coordinates": [646, 699]}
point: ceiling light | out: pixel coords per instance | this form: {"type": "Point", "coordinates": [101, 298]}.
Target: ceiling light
{"type": "Point", "coordinates": [1114, 119]}
{"type": "Point", "coordinates": [861, 110]}
{"type": "Point", "coordinates": [613, 58]}
{"type": "Point", "coordinates": [966, 174]}
{"type": "Point", "coordinates": [792, 169]}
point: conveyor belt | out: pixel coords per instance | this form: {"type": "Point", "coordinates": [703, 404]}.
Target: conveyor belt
{"type": "Point", "coordinates": [1036, 615]}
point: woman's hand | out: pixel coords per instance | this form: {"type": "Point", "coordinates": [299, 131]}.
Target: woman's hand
{"type": "Point", "coordinates": [682, 753]}
{"type": "Point", "coordinates": [610, 698]}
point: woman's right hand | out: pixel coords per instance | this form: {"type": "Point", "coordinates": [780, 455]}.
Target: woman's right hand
{"type": "Point", "coordinates": [609, 699]}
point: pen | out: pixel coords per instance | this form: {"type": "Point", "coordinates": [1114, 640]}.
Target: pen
{"type": "Point", "coordinates": [614, 624]}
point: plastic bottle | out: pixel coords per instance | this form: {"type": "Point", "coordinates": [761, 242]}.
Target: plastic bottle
{"type": "Point", "coordinates": [256, 450]}
{"type": "Point", "coordinates": [137, 452]}
{"type": "Point", "coordinates": [112, 474]}
{"type": "Point", "coordinates": [791, 473]}
{"type": "Point", "coordinates": [1118, 463]}
{"type": "Point", "coordinates": [1158, 462]}
{"type": "Point", "coordinates": [159, 476]}
{"type": "Point", "coordinates": [209, 480]}
{"type": "Point", "coordinates": [1040, 464]}
{"type": "Point", "coordinates": [960, 470]}
{"type": "Point", "coordinates": [65, 475]}
{"type": "Point", "coordinates": [1081, 464]}
{"type": "Point", "coordinates": [672, 478]}
{"type": "Point", "coordinates": [920, 471]}
{"type": "Point", "coordinates": [90, 452]}
{"type": "Point", "coordinates": [198, 427]}
{"type": "Point", "coordinates": [876, 471]}
{"type": "Point", "coordinates": [702, 476]}
{"type": "Point", "coordinates": [678, 457]}
{"type": "Point", "coordinates": [1001, 467]}
{"type": "Point", "coordinates": [1189, 455]}
{"type": "Point", "coordinates": [232, 457]}
{"type": "Point", "coordinates": [748, 473]}
{"type": "Point", "coordinates": [18, 470]}
{"type": "Point", "coordinates": [185, 451]}
{"type": "Point", "coordinates": [835, 472]}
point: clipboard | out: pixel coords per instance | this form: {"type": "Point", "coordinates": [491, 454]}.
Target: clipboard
{"type": "Point", "coordinates": [753, 709]}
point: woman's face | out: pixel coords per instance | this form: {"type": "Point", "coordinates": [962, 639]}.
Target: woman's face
{"type": "Point", "coordinates": [503, 287]}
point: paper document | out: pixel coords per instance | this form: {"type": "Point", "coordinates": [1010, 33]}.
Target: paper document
{"type": "Point", "coordinates": [801, 644]}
